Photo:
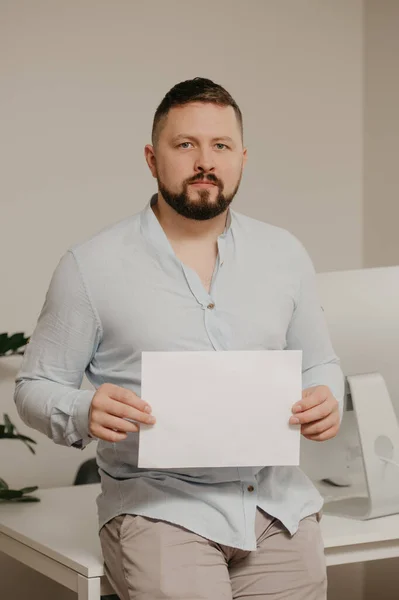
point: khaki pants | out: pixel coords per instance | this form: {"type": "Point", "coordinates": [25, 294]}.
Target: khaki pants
{"type": "Point", "coordinates": [149, 560]}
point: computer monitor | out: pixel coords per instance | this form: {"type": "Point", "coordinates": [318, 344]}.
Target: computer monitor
{"type": "Point", "coordinates": [362, 311]}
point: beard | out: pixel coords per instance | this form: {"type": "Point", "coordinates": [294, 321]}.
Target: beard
{"type": "Point", "coordinates": [202, 208]}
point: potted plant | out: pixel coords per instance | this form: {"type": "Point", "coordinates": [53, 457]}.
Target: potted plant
{"type": "Point", "coordinates": [10, 346]}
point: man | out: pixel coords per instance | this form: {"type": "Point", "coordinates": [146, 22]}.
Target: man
{"type": "Point", "coordinates": [187, 273]}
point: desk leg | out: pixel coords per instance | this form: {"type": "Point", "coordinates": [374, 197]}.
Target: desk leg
{"type": "Point", "coordinates": [89, 588]}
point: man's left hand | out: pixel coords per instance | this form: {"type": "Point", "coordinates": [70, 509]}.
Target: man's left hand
{"type": "Point", "coordinates": [317, 413]}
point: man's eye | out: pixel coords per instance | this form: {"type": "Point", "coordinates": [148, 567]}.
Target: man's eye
{"type": "Point", "coordinates": [184, 144]}
{"type": "Point", "coordinates": [221, 146]}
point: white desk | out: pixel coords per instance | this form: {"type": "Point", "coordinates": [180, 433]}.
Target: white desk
{"type": "Point", "coordinates": [58, 537]}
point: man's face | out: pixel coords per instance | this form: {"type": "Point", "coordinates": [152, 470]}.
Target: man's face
{"type": "Point", "coordinates": [198, 159]}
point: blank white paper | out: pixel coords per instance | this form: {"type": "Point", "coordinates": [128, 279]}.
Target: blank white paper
{"type": "Point", "coordinates": [220, 409]}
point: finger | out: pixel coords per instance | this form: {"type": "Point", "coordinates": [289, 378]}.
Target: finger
{"type": "Point", "coordinates": [313, 414]}
{"type": "Point", "coordinates": [323, 437]}
{"type": "Point", "coordinates": [121, 425]}
{"type": "Point", "coordinates": [124, 411]}
{"type": "Point", "coordinates": [126, 396]}
{"type": "Point", "coordinates": [108, 435]}
{"type": "Point", "coordinates": [319, 426]}
{"type": "Point", "coordinates": [310, 400]}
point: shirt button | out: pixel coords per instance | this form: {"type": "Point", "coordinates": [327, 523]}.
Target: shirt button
{"type": "Point", "coordinates": [250, 488]}
{"type": "Point", "coordinates": [211, 306]}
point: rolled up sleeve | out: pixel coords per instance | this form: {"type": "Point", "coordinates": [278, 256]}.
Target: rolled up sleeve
{"type": "Point", "coordinates": [308, 332]}
{"type": "Point", "coordinates": [47, 392]}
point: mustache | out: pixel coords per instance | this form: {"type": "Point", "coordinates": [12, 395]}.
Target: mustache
{"type": "Point", "coordinates": [209, 177]}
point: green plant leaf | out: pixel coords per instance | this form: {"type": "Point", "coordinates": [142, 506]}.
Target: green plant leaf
{"type": "Point", "coordinates": [3, 343]}
{"type": "Point", "coordinates": [13, 344]}
{"type": "Point", "coordinates": [29, 490]}
{"type": "Point", "coordinates": [25, 438]}
{"type": "Point", "coordinates": [30, 447]}
{"type": "Point", "coordinates": [7, 495]}
{"type": "Point", "coordinates": [10, 494]}
{"type": "Point", "coordinates": [22, 499]}
{"type": "Point", "coordinates": [9, 427]}
{"type": "Point", "coordinates": [9, 431]}
{"type": "Point", "coordinates": [27, 499]}
{"type": "Point", "coordinates": [7, 434]}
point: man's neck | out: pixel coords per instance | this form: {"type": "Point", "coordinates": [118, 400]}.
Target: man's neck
{"type": "Point", "coordinates": [182, 229]}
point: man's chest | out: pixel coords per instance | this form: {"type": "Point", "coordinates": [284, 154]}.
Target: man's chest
{"type": "Point", "coordinates": [202, 259]}
{"type": "Point", "coordinates": [164, 307]}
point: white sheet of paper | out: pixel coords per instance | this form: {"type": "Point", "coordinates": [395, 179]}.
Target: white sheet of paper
{"type": "Point", "coordinates": [220, 409]}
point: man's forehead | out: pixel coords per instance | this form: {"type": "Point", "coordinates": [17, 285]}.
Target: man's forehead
{"type": "Point", "coordinates": [211, 118]}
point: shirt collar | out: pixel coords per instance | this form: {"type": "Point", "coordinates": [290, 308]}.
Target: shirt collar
{"type": "Point", "coordinates": [152, 228]}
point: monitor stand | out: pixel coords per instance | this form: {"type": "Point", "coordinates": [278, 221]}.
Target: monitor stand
{"type": "Point", "coordinates": [379, 440]}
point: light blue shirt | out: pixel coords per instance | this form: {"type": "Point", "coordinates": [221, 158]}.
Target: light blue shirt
{"type": "Point", "coordinates": [123, 292]}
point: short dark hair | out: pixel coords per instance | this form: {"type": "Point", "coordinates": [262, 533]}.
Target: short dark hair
{"type": "Point", "coordinates": [193, 90]}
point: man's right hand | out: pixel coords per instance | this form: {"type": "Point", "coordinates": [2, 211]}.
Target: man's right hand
{"type": "Point", "coordinates": [110, 407]}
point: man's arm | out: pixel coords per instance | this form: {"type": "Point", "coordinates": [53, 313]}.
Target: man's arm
{"type": "Point", "coordinates": [308, 332]}
{"type": "Point", "coordinates": [67, 334]}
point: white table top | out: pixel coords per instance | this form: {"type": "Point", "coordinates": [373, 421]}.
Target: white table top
{"type": "Point", "coordinates": [64, 526]}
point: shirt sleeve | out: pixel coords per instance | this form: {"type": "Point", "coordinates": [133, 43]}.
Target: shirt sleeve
{"type": "Point", "coordinates": [67, 334]}
{"type": "Point", "coordinates": [308, 332]}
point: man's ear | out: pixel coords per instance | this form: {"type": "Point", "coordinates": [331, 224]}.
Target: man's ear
{"type": "Point", "coordinates": [244, 157]}
{"type": "Point", "coordinates": [149, 154]}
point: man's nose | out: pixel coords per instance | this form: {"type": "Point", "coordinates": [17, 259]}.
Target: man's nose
{"type": "Point", "coordinates": [204, 161]}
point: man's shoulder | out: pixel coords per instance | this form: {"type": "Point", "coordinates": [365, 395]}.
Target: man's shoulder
{"type": "Point", "coordinates": [266, 233]}
{"type": "Point", "coordinates": [108, 239]}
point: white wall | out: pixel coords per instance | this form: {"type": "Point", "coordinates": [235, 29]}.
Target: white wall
{"type": "Point", "coordinates": [80, 82]}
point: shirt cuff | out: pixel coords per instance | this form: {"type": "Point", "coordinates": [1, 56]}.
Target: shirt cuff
{"type": "Point", "coordinates": [81, 414]}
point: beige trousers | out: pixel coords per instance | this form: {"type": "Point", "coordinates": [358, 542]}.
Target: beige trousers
{"type": "Point", "coordinates": [147, 559]}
